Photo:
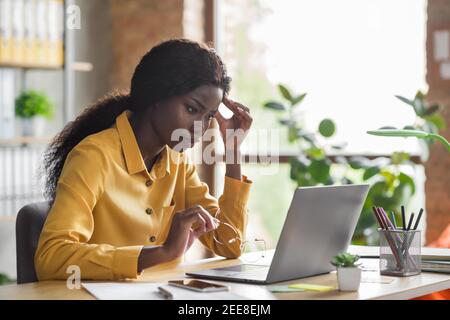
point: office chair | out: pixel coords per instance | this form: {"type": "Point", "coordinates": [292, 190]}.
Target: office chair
{"type": "Point", "coordinates": [29, 223]}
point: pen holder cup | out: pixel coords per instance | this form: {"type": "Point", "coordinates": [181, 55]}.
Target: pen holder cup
{"type": "Point", "coordinates": [400, 252]}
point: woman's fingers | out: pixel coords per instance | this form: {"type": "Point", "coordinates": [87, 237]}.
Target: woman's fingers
{"type": "Point", "coordinates": [220, 119]}
{"type": "Point", "coordinates": [240, 111]}
{"type": "Point", "coordinates": [210, 223]}
{"type": "Point", "coordinates": [202, 216]}
{"type": "Point", "coordinates": [202, 228]}
{"type": "Point", "coordinates": [234, 105]}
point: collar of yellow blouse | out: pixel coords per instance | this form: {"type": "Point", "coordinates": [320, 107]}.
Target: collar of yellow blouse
{"type": "Point", "coordinates": [133, 157]}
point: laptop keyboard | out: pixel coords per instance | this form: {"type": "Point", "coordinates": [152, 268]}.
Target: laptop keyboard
{"type": "Point", "coordinates": [260, 272]}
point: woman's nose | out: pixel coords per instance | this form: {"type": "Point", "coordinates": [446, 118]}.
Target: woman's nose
{"type": "Point", "coordinates": [205, 124]}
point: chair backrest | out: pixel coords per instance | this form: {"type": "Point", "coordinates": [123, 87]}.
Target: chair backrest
{"type": "Point", "coordinates": [29, 223]}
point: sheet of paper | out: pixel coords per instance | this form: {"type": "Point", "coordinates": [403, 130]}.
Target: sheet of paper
{"type": "Point", "coordinates": [284, 289]}
{"type": "Point", "coordinates": [312, 287]}
{"type": "Point", "coordinates": [149, 291]}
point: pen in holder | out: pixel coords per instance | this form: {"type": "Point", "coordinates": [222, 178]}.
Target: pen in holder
{"type": "Point", "coordinates": [399, 247]}
{"type": "Point", "coordinates": [400, 252]}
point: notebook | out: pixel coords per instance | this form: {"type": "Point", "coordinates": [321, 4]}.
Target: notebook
{"type": "Point", "coordinates": [435, 266]}
{"type": "Point", "coordinates": [149, 291]}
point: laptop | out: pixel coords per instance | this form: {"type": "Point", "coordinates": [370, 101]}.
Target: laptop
{"type": "Point", "coordinates": [319, 225]}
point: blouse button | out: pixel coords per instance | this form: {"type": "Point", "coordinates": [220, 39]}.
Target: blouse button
{"type": "Point", "coordinates": [148, 211]}
{"type": "Point", "coordinates": [148, 183]}
{"type": "Point", "coordinates": [152, 239]}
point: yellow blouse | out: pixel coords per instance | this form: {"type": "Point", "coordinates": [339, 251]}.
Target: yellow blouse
{"type": "Point", "coordinates": [108, 206]}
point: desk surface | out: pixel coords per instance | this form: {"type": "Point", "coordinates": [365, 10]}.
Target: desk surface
{"type": "Point", "coordinates": [399, 288]}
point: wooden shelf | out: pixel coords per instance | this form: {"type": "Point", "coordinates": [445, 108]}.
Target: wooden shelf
{"type": "Point", "coordinates": [31, 66]}
{"type": "Point", "coordinates": [25, 141]}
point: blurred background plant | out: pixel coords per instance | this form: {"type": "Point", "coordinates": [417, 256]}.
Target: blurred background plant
{"type": "Point", "coordinates": [4, 279]}
{"type": "Point", "coordinates": [315, 164]}
{"type": "Point", "coordinates": [33, 108]}
{"type": "Point", "coordinates": [31, 103]}
{"type": "Point", "coordinates": [428, 118]}
{"type": "Point", "coordinates": [311, 166]}
{"type": "Point", "coordinates": [426, 127]}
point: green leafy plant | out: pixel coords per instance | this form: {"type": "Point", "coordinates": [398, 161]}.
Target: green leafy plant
{"type": "Point", "coordinates": [32, 103]}
{"type": "Point", "coordinates": [4, 279]}
{"type": "Point", "coordinates": [390, 186]}
{"type": "Point", "coordinates": [426, 126]}
{"type": "Point", "coordinates": [345, 260]}
{"type": "Point", "coordinates": [398, 185]}
{"type": "Point", "coordinates": [311, 166]}
{"type": "Point", "coordinates": [410, 133]}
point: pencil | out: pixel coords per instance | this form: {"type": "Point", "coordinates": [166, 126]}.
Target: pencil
{"type": "Point", "coordinates": [388, 222]}
{"type": "Point", "coordinates": [375, 212]}
{"type": "Point", "coordinates": [393, 219]}
{"type": "Point", "coordinates": [382, 218]}
{"type": "Point", "coordinates": [418, 219]}
{"type": "Point", "coordinates": [391, 242]}
{"type": "Point", "coordinates": [411, 218]}
{"type": "Point", "coordinates": [403, 218]}
{"type": "Point", "coordinates": [165, 293]}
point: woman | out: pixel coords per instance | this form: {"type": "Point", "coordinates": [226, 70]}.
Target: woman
{"type": "Point", "coordinates": [123, 199]}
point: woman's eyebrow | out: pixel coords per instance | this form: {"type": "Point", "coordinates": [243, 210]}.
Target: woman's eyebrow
{"type": "Point", "coordinates": [200, 104]}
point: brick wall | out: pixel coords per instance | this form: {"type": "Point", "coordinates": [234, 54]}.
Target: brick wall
{"type": "Point", "coordinates": [437, 169]}
{"type": "Point", "coordinates": [137, 26]}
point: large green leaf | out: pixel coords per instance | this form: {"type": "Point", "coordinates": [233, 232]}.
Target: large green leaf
{"type": "Point", "coordinates": [315, 152]}
{"type": "Point", "coordinates": [417, 104]}
{"type": "Point", "coordinates": [274, 106]}
{"type": "Point", "coordinates": [320, 170]}
{"type": "Point", "coordinates": [370, 172]}
{"type": "Point", "coordinates": [431, 110]}
{"type": "Point", "coordinates": [399, 133]}
{"type": "Point", "coordinates": [437, 120]}
{"type": "Point", "coordinates": [285, 92]}
{"type": "Point", "coordinates": [405, 100]}
{"type": "Point", "coordinates": [430, 128]}
{"type": "Point", "coordinates": [399, 157]}
{"type": "Point", "coordinates": [359, 163]}
{"type": "Point", "coordinates": [287, 122]}
{"type": "Point", "coordinates": [298, 99]}
{"type": "Point", "coordinates": [299, 165]}
{"type": "Point", "coordinates": [407, 180]}
{"type": "Point", "coordinates": [327, 128]}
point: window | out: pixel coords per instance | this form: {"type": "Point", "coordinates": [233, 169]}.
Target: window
{"type": "Point", "coordinates": [350, 56]}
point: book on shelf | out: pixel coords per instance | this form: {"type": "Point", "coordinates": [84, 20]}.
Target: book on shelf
{"type": "Point", "coordinates": [32, 33]}
{"type": "Point", "coordinates": [18, 32]}
{"type": "Point", "coordinates": [5, 31]}
{"type": "Point", "coordinates": [7, 117]}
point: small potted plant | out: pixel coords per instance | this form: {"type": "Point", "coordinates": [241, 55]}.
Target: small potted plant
{"type": "Point", "coordinates": [348, 272]}
{"type": "Point", "coordinates": [33, 108]}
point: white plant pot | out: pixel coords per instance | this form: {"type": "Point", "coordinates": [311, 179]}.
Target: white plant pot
{"type": "Point", "coordinates": [349, 278]}
{"type": "Point", "coordinates": [33, 126]}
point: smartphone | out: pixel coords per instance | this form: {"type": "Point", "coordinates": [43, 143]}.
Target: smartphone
{"type": "Point", "coordinates": [198, 285]}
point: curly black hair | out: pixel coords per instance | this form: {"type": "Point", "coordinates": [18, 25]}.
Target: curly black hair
{"type": "Point", "coordinates": [172, 68]}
